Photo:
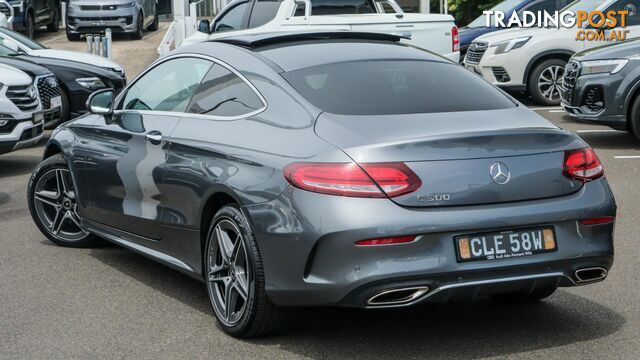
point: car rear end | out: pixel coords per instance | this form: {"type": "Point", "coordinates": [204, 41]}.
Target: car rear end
{"type": "Point", "coordinates": [441, 192]}
{"type": "Point", "coordinates": [93, 17]}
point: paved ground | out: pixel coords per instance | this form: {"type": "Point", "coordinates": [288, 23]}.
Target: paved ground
{"type": "Point", "coordinates": [110, 303]}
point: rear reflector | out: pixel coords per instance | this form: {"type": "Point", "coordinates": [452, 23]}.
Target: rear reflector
{"type": "Point", "coordinates": [582, 165]}
{"type": "Point", "coordinates": [598, 220]}
{"type": "Point", "coordinates": [377, 180]}
{"type": "Point", "coordinates": [386, 241]}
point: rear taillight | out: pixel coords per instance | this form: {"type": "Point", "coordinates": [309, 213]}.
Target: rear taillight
{"type": "Point", "coordinates": [386, 241]}
{"type": "Point", "coordinates": [455, 39]}
{"type": "Point", "coordinates": [582, 165]}
{"type": "Point", "coordinates": [348, 179]}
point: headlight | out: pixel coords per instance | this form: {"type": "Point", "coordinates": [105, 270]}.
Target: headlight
{"type": "Point", "coordinates": [131, 4]}
{"type": "Point", "coordinates": [508, 45]}
{"type": "Point", "coordinates": [603, 66]}
{"type": "Point", "coordinates": [91, 83]}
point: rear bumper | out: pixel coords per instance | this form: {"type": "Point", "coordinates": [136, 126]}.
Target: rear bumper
{"type": "Point", "coordinates": [307, 244]}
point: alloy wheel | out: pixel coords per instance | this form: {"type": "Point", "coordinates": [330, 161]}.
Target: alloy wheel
{"type": "Point", "coordinates": [55, 205]}
{"type": "Point", "coordinates": [228, 272]}
{"type": "Point", "coordinates": [549, 82]}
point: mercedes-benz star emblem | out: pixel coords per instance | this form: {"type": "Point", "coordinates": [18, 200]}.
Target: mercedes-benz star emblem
{"type": "Point", "coordinates": [500, 173]}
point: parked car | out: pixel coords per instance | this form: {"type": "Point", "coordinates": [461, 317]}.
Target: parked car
{"type": "Point", "coordinates": [479, 26]}
{"type": "Point", "coordinates": [34, 48]}
{"type": "Point", "coordinates": [20, 118]}
{"type": "Point", "coordinates": [27, 16]}
{"type": "Point", "coordinates": [331, 168]}
{"type": "Point", "coordinates": [46, 85]}
{"type": "Point", "coordinates": [434, 32]}
{"type": "Point", "coordinates": [532, 60]}
{"type": "Point", "coordinates": [121, 16]}
{"type": "Point", "coordinates": [77, 80]}
{"type": "Point", "coordinates": [602, 85]}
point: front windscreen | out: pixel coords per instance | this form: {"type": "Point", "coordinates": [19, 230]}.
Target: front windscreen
{"type": "Point", "coordinates": [385, 87]}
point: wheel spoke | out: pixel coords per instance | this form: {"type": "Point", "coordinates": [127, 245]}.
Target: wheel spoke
{"type": "Point", "coordinates": [45, 197]}
{"type": "Point", "coordinates": [74, 219]}
{"type": "Point", "coordinates": [224, 243]}
{"type": "Point", "coordinates": [237, 246]}
{"type": "Point", "coordinates": [241, 288]}
{"type": "Point", "coordinates": [230, 300]}
{"type": "Point", "coordinates": [56, 225]}
{"type": "Point", "coordinates": [215, 272]}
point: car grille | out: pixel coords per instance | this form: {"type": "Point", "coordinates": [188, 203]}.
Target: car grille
{"type": "Point", "coordinates": [98, 7]}
{"type": "Point", "coordinates": [475, 52]}
{"type": "Point", "coordinates": [23, 98]}
{"type": "Point", "coordinates": [571, 73]}
{"type": "Point", "coordinates": [47, 89]}
{"type": "Point", "coordinates": [4, 8]}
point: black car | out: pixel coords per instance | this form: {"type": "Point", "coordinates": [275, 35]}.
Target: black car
{"type": "Point", "coordinates": [77, 80]}
{"type": "Point", "coordinates": [602, 85]}
{"type": "Point", "coordinates": [46, 84]}
{"type": "Point", "coordinates": [28, 15]}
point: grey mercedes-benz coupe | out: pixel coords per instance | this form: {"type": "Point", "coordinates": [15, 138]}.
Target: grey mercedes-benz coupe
{"type": "Point", "coordinates": [317, 169]}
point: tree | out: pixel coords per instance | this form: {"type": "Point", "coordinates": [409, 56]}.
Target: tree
{"type": "Point", "coordinates": [465, 11]}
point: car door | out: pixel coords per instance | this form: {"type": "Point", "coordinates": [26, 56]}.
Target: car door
{"type": "Point", "coordinates": [131, 147]}
{"type": "Point", "coordinates": [200, 155]}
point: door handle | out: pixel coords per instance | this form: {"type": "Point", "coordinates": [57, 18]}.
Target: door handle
{"type": "Point", "coordinates": [153, 137]}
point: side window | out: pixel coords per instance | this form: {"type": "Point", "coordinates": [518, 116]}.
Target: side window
{"type": "Point", "coordinates": [223, 93]}
{"type": "Point", "coordinates": [545, 5]}
{"type": "Point", "coordinates": [263, 12]}
{"type": "Point", "coordinates": [167, 87]}
{"type": "Point", "coordinates": [232, 19]}
{"type": "Point", "coordinates": [632, 6]}
{"type": "Point", "coordinates": [338, 7]}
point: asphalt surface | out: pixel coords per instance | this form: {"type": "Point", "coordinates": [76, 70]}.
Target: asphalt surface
{"type": "Point", "coordinates": [108, 302]}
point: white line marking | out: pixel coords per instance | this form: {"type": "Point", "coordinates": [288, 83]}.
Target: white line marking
{"type": "Point", "coordinates": [155, 32]}
{"type": "Point", "coordinates": [598, 131]}
{"type": "Point", "coordinates": [546, 108]}
{"type": "Point", "coordinates": [556, 111]}
{"type": "Point", "coordinates": [627, 157]}
{"type": "Point", "coordinates": [53, 39]}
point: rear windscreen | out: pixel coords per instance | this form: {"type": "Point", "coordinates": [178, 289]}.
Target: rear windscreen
{"type": "Point", "coordinates": [388, 87]}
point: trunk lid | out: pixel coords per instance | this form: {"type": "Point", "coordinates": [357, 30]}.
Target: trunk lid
{"type": "Point", "coordinates": [457, 155]}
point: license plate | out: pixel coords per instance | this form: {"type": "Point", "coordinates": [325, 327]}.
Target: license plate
{"type": "Point", "coordinates": [38, 118]}
{"type": "Point", "coordinates": [55, 102]}
{"type": "Point", "coordinates": [505, 245]}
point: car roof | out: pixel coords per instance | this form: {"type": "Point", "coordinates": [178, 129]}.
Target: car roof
{"type": "Point", "coordinates": [296, 50]}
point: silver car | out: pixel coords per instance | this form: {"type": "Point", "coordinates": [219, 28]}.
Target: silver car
{"type": "Point", "coordinates": [121, 16]}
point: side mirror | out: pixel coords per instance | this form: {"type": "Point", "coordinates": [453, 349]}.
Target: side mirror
{"type": "Point", "coordinates": [204, 26]}
{"type": "Point", "coordinates": [101, 102]}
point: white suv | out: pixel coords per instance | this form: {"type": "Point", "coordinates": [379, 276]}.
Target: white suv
{"type": "Point", "coordinates": [21, 121]}
{"type": "Point", "coordinates": [532, 60]}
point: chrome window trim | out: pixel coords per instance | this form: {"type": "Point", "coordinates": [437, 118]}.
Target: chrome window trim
{"type": "Point", "coordinates": [123, 93]}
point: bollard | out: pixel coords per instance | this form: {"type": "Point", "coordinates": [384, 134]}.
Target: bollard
{"type": "Point", "coordinates": [97, 45]}
{"type": "Point", "coordinates": [89, 44]}
{"type": "Point", "coordinates": [109, 39]}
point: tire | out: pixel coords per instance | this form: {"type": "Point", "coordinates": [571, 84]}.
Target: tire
{"type": "Point", "coordinates": [72, 36]}
{"type": "Point", "coordinates": [138, 34]}
{"type": "Point", "coordinates": [518, 297]}
{"type": "Point", "coordinates": [553, 70]}
{"type": "Point", "coordinates": [29, 28]}
{"type": "Point", "coordinates": [256, 315]}
{"type": "Point", "coordinates": [54, 25]}
{"type": "Point", "coordinates": [156, 20]}
{"type": "Point", "coordinates": [633, 123]}
{"type": "Point", "coordinates": [59, 224]}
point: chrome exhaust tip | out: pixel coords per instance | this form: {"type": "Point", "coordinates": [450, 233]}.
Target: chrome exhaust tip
{"type": "Point", "coordinates": [590, 274]}
{"type": "Point", "coordinates": [399, 296]}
